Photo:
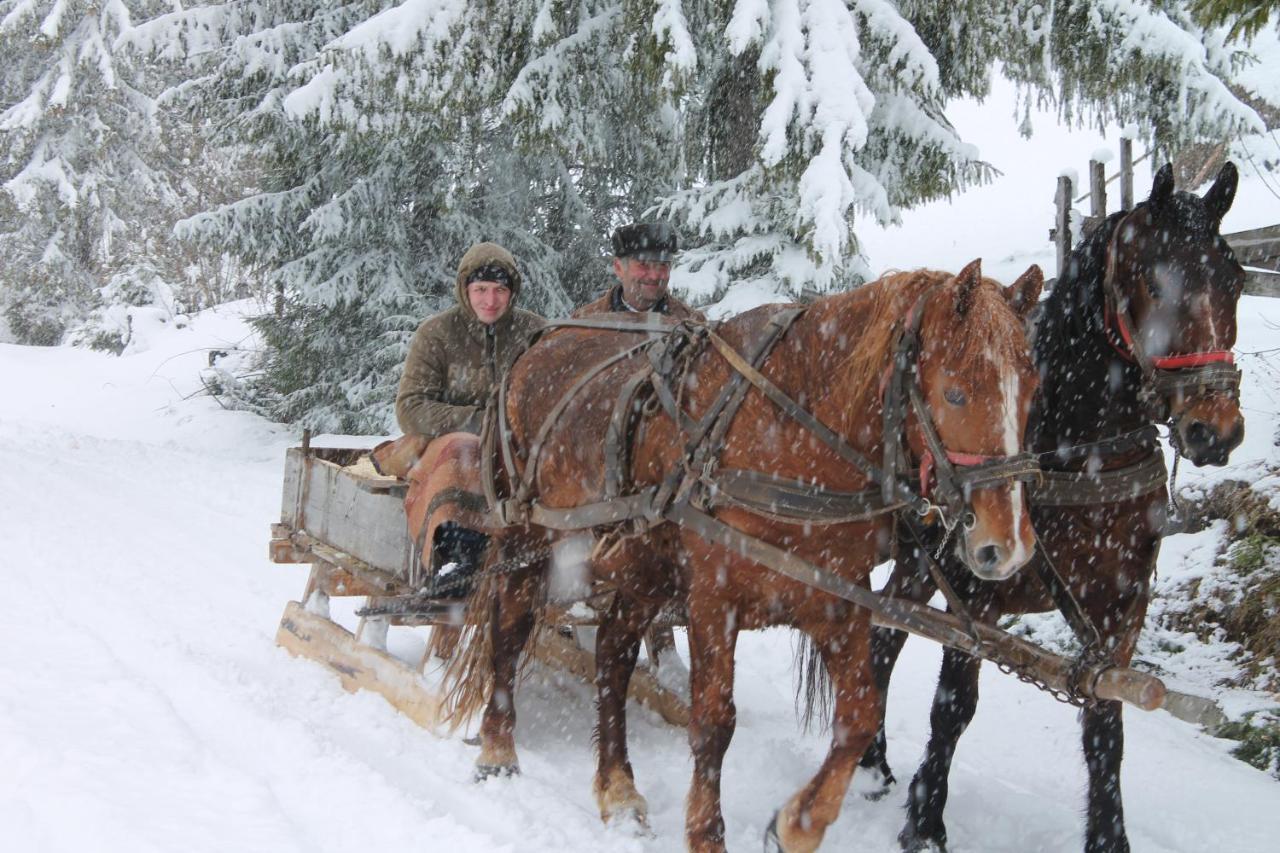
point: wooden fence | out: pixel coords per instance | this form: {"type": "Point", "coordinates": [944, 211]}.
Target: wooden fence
{"type": "Point", "coordinates": [1257, 249]}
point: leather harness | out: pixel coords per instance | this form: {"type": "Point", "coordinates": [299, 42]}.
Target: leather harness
{"type": "Point", "coordinates": [697, 485]}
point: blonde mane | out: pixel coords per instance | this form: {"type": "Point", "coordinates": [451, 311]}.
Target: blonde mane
{"type": "Point", "coordinates": [989, 329]}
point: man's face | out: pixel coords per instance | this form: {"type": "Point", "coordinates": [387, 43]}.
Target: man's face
{"type": "Point", "coordinates": [643, 282]}
{"type": "Point", "coordinates": [489, 299]}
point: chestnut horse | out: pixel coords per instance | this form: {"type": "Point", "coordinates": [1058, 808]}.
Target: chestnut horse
{"type": "Point", "coordinates": [1137, 331]}
{"type": "Point", "coordinates": [972, 372]}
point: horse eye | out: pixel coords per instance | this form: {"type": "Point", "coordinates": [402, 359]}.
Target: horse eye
{"type": "Point", "coordinates": [955, 396]}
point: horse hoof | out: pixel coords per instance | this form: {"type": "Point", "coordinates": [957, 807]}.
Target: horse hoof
{"type": "Point", "coordinates": [474, 740]}
{"type": "Point", "coordinates": [772, 843]}
{"type": "Point", "coordinates": [630, 821]}
{"type": "Point", "coordinates": [496, 771]}
{"type": "Point", "coordinates": [872, 785]}
{"type": "Point", "coordinates": [912, 843]}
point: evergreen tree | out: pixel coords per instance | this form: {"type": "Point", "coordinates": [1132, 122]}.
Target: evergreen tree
{"type": "Point", "coordinates": [88, 190]}
{"type": "Point", "coordinates": [391, 135]}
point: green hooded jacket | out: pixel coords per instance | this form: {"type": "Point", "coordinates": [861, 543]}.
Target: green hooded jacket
{"type": "Point", "coordinates": [455, 361]}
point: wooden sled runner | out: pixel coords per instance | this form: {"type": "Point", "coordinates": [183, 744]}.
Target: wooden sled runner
{"type": "Point", "coordinates": [348, 522]}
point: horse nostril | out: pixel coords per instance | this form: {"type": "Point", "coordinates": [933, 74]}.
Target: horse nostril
{"type": "Point", "coordinates": [988, 556]}
{"type": "Point", "coordinates": [1199, 435]}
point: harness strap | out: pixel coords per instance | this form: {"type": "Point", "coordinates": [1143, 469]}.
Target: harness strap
{"type": "Point", "coordinates": [1083, 488]}
{"type": "Point", "coordinates": [616, 446]}
{"type": "Point", "coordinates": [904, 614]}
{"type": "Point", "coordinates": [535, 449]}
{"type": "Point", "coordinates": [793, 409]}
{"type": "Point", "coordinates": [1081, 625]}
{"type": "Point", "coordinates": [639, 325]}
{"type": "Point", "coordinates": [706, 443]}
{"type": "Point", "coordinates": [791, 500]}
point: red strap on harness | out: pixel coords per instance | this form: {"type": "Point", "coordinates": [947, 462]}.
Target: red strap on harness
{"type": "Point", "coordinates": [955, 457]}
{"type": "Point", "coordinates": [1118, 326]}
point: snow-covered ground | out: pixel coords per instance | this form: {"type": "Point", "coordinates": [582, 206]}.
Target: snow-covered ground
{"type": "Point", "coordinates": [144, 705]}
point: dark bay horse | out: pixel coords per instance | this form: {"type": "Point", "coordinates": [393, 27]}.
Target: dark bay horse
{"type": "Point", "coordinates": [971, 367]}
{"type": "Point", "coordinates": [1137, 331]}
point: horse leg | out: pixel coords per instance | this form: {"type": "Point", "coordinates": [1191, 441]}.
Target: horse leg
{"type": "Point", "coordinates": [712, 640]}
{"type": "Point", "coordinates": [954, 703]}
{"type": "Point", "coordinates": [617, 647]}
{"type": "Point", "coordinates": [1103, 736]}
{"type": "Point", "coordinates": [802, 822]}
{"type": "Point", "coordinates": [1103, 733]}
{"type": "Point", "coordinates": [509, 627]}
{"type": "Point", "coordinates": [886, 645]}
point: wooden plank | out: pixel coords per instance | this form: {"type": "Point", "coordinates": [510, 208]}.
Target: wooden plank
{"type": "Point", "coordinates": [284, 551]}
{"type": "Point", "coordinates": [352, 572]}
{"type": "Point", "coordinates": [359, 667]}
{"type": "Point", "coordinates": [1126, 173]}
{"type": "Point", "coordinates": [565, 654]}
{"type": "Point", "coordinates": [1262, 283]}
{"type": "Point", "coordinates": [1062, 221]}
{"type": "Point", "coordinates": [329, 502]}
{"type": "Point", "coordinates": [1097, 189]}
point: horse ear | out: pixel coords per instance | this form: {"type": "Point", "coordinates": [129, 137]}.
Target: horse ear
{"type": "Point", "coordinates": [1023, 293]}
{"type": "Point", "coordinates": [966, 281]}
{"type": "Point", "coordinates": [1219, 197]}
{"type": "Point", "coordinates": [1162, 186]}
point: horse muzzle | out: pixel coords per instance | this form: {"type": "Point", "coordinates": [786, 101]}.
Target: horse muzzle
{"type": "Point", "coordinates": [1204, 443]}
{"type": "Point", "coordinates": [1000, 540]}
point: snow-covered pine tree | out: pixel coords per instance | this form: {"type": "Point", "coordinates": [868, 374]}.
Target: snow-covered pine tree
{"type": "Point", "coordinates": [393, 134]}
{"type": "Point", "coordinates": [88, 188]}
{"type": "Point", "coordinates": [391, 143]}
{"type": "Point", "coordinates": [845, 110]}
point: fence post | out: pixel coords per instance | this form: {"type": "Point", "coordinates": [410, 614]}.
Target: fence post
{"type": "Point", "coordinates": [1097, 189]}
{"type": "Point", "coordinates": [1126, 173]}
{"type": "Point", "coordinates": [1062, 221]}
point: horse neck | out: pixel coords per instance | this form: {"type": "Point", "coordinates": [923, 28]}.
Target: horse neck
{"type": "Point", "coordinates": [1088, 392]}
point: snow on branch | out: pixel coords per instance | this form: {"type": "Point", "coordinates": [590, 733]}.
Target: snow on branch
{"type": "Point", "coordinates": [669, 24]}
{"type": "Point", "coordinates": [909, 58]}
{"type": "Point", "coordinates": [540, 83]}
{"type": "Point", "coordinates": [747, 24]}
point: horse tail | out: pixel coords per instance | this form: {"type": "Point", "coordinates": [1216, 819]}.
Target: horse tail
{"type": "Point", "coordinates": [814, 693]}
{"type": "Point", "coordinates": [468, 674]}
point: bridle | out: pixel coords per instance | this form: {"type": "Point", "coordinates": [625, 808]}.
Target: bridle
{"type": "Point", "coordinates": [946, 477]}
{"type": "Point", "coordinates": [1163, 377]}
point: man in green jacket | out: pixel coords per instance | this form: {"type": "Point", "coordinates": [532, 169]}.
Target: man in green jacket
{"type": "Point", "coordinates": [457, 356]}
{"type": "Point", "coordinates": [455, 361]}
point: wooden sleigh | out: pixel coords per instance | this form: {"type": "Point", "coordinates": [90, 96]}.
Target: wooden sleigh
{"type": "Point", "coordinates": [348, 522]}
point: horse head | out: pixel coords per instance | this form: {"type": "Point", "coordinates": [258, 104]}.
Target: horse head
{"type": "Point", "coordinates": [977, 380]}
{"type": "Point", "coordinates": [1172, 285]}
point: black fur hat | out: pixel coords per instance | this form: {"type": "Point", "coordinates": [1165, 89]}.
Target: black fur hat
{"type": "Point", "coordinates": [647, 241]}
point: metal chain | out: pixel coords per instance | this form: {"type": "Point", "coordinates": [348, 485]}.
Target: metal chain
{"type": "Point", "coordinates": [1089, 656]}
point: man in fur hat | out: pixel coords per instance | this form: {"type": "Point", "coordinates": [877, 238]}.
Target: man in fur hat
{"type": "Point", "coordinates": [642, 255]}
